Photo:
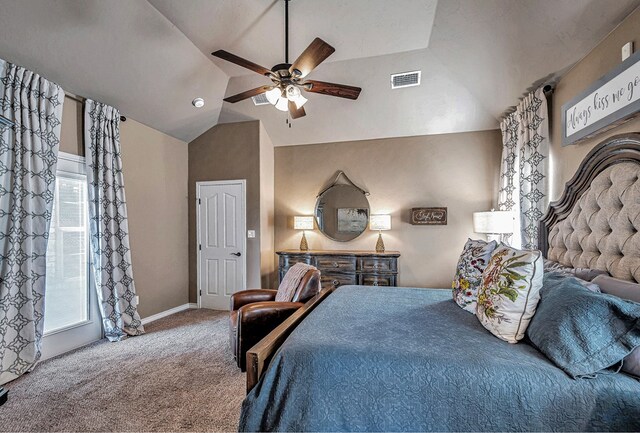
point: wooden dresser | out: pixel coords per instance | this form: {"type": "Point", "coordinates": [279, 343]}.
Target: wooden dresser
{"type": "Point", "coordinates": [339, 268]}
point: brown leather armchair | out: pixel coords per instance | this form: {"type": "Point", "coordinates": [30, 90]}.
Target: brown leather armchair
{"type": "Point", "coordinates": [255, 313]}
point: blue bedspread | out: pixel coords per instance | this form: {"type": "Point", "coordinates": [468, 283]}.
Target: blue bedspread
{"type": "Point", "coordinates": [400, 359]}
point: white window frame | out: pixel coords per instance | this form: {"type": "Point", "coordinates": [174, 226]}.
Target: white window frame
{"type": "Point", "coordinates": [64, 339]}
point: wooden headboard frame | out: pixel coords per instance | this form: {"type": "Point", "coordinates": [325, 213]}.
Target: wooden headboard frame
{"type": "Point", "coordinates": [614, 150]}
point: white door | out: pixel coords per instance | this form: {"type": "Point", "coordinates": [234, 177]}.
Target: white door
{"type": "Point", "coordinates": [221, 219]}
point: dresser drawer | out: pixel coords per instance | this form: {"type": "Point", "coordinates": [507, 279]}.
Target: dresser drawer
{"type": "Point", "coordinates": [377, 280]}
{"type": "Point", "coordinates": [329, 279]}
{"type": "Point", "coordinates": [287, 261]}
{"type": "Point", "coordinates": [373, 264]}
{"type": "Point", "coordinates": [342, 264]}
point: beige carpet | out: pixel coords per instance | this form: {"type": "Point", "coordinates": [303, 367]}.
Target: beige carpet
{"type": "Point", "coordinates": [177, 377]}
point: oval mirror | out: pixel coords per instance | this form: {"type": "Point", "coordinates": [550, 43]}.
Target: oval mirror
{"type": "Point", "coordinates": [342, 212]}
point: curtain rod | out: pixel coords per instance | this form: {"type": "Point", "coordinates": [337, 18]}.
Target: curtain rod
{"type": "Point", "coordinates": [81, 99]}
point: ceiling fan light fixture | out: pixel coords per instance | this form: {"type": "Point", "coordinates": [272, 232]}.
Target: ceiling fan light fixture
{"type": "Point", "coordinates": [294, 95]}
{"type": "Point", "coordinates": [300, 101]}
{"type": "Point", "coordinates": [282, 104]}
{"type": "Point", "coordinates": [273, 95]}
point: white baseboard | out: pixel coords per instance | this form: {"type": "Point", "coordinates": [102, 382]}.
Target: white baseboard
{"type": "Point", "coordinates": [169, 312]}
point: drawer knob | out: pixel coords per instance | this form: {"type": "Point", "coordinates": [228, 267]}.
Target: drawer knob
{"type": "Point", "coordinates": [336, 282]}
{"type": "Point", "coordinates": [336, 265]}
{"type": "Point", "coordinates": [375, 283]}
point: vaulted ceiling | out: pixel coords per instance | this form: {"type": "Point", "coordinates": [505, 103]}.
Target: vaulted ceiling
{"type": "Point", "coordinates": [151, 58]}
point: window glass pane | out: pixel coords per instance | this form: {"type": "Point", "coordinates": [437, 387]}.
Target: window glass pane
{"type": "Point", "coordinates": [66, 295]}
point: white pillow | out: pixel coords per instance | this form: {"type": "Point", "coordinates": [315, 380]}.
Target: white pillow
{"type": "Point", "coordinates": [474, 258]}
{"type": "Point", "coordinates": [510, 291]}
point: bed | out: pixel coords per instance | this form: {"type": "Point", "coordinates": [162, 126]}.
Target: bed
{"type": "Point", "coordinates": [409, 359]}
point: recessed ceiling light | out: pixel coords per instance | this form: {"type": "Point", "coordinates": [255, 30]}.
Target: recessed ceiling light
{"type": "Point", "coordinates": [198, 102]}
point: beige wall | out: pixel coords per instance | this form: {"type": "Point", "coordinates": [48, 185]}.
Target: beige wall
{"type": "Point", "coordinates": [155, 171]}
{"type": "Point", "coordinates": [602, 59]}
{"type": "Point", "coordinates": [458, 171]}
{"type": "Point", "coordinates": [71, 129]}
{"type": "Point", "coordinates": [227, 152]}
{"type": "Point", "coordinates": [267, 210]}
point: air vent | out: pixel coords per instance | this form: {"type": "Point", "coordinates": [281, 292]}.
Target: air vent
{"type": "Point", "coordinates": [260, 99]}
{"type": "Point", "coordinates": [405, 79]}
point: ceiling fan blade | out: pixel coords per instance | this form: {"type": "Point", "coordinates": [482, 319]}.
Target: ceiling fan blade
{"type": "Point", "coordinates": [225, 55]}
{"type": "Point", "coordinates": [295, 111]}
{"type": "Point", "coordinates": [247, 94]}
{"type": "Point", "coordinates": [315, 54]}
{"type": "Point", "coordinates": [332, 89]}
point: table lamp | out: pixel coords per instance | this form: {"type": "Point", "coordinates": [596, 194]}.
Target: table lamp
{"type": "Point", "coordinates": [494, 223]}
{"type": "Point", "coordinates": [303, 223]}
{"type": "Point", "coordinates": [380, 222]}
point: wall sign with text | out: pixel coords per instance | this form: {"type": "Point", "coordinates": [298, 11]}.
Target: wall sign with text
{"type": "Point", "coordinates": [429, 216]}
{"type": "Point", "coordinates": [610, 101]}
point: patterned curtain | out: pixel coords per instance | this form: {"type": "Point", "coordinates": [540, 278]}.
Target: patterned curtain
{"type": "Point", "coordinates": [524, 169]}
{"type": "Point", "coordinates": [28, 159]}
{"type": "Point", "coordinates": [108, 222]}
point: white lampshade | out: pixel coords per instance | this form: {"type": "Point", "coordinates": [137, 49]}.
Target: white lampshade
{"type": "Point", "coordinates": [277, 99]}
{"type": "Point", "coordinates": [494, 222]}
{"type": "Point", "coordinates": [282, 104]}
{"type": "Point", "coordinates": [294, 95]}
{"type": "Point", "coordinates": [303, 222]}
{"type": "Point", "coordinates": [273, 95]}
{"type": "Point", "coordinates": [380, 222]}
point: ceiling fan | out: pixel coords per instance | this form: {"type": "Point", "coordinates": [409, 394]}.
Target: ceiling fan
{"type": "Point", "coordinates": [289, 79]}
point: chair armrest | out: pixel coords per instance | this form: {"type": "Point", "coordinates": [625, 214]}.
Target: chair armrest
{"type": "Point", "coordinates": [257, 320]}
{"type": "Point", "coordinates": [245, 297]}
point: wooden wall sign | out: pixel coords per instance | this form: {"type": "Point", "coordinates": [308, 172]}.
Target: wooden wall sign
{"type": "Point", "coordinates": [429, 216]}
{"type": "Point", "coordinates": [610, 101]}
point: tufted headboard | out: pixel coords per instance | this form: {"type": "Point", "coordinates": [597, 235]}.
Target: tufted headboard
{"type": "Point", "coordinates": [595, 222]}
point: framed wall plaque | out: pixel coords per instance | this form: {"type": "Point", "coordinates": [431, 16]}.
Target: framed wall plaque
{"type": "Point", "coordinates": [610, 101]}
{"type": "Point", "coordinates": [429, 216]}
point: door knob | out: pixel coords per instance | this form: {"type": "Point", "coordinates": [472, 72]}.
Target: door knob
{"type": "Point", "coordinates": [236, 254]}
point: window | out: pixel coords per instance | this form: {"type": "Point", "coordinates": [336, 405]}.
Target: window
{"type": "Point", "coordinates": [67, 289]}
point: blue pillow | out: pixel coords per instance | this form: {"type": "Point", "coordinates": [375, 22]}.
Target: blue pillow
{"type": "Point", "coordinates": [580, 331]}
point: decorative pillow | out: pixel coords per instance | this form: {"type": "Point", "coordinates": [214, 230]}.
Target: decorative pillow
{"type": "Point", "coordinates": [584, 274]}
{"type": "Point", "coordinates": [509, 292]}
{"type": "Point", "coordinates": [474, 258]}
{"type": "Point", "coordinates": [551, 266]}
{"type": "Point", "coordinates": [625, 290]}
{"type": "Point", "coordinates": [580, 331]}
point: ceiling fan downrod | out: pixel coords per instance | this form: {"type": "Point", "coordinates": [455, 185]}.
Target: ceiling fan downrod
{"type": "Point", "coordinates": [286, 31]}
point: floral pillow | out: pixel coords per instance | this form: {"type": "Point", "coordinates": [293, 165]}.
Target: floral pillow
{"type": "Point", "coordinates": [510, 292]}
{"type": "Point", "coordinates": [473, 260]}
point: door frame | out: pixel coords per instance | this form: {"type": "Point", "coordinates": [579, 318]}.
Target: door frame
{"type": "Point", "coordinates": [243, 184]}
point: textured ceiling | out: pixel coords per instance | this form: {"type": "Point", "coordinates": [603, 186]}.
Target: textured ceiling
{"type": "Point", "coordinates": [150, 59]}
{"type": "Point", "coordinates": [355, 28]}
